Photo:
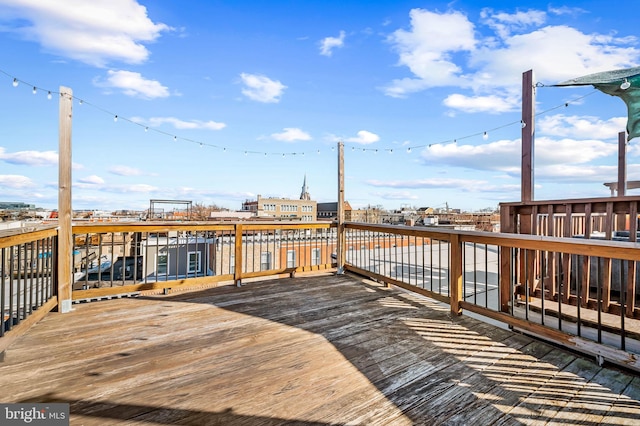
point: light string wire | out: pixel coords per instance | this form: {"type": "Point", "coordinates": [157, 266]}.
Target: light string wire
{"type": "Point", "coordinates": [16, 81]}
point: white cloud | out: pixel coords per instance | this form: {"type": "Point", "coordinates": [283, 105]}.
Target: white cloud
{"type": "Point", "coordinates": [94, 32]}
{"type": "Point", "coordinates": [581, 126]}
{"type": "Point", "coordinates": [15, 181]}
{"type": "Point", "coordinates": [364, 137]}
{"type": "Point", "coordinates": [92, 180]}
{"type": "Point", "coordinates": [133, 84]}
{"type": "Point", "coordinates": [403, 195]}
{"type": "Point", "coordinates": [291, 134]}
{"type": "Point", "coordinates": [555, 53]}
{"type": "Point", "coordinates": [125, 171]}
{"type": "Point", "coordinates": [505, 23]}
{"type": "Point", "coordinates": [448, 50]}
{"type": "Point", "coordinates": [553, 158]}
{"type": "Point", "coordinates": [181, 124]}
{"type": "Point", "coordinates": [327, 44]}
{"type": "Point", "coordinates": [427, 49]}
{"type": "Point", "coordinates": [491, 103]}
{"type": "Point", "coordinates": [134, 188]}
{"type": "Point", "coordinates": [261, 88]}
{"type": "Point", "coordinates": [30, 158]}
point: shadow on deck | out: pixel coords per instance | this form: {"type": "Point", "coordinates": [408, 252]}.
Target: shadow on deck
{"type": "Point", "coordinates": [309, 350]}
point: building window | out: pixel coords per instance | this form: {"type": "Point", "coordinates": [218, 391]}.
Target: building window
{"type": "Point", "coordinates": [195, 264]}
{"type": "Point", "coordinates": [265, 261]}
{"type": "Point", "coordinates": [291, 258]}
{"type": "Point", "coordinates": [315, 256]}
{"type": "Point", "coordinates": [162, 263]}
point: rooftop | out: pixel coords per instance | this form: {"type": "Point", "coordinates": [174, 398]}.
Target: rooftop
{"type": "Point", "coordinates": [315, 350]}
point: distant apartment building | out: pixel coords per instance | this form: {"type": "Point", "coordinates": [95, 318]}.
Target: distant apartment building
{"type": "Point", "coordinates": [303, 209]}
{"type": "Point", "coordinates": [329, 211]}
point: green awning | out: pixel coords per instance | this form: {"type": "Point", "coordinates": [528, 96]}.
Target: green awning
{"type": "Point", "coordinates": [625, 84]}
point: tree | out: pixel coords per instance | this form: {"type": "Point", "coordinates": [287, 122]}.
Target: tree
{"type": "Point", "coordinates": [201, 212]}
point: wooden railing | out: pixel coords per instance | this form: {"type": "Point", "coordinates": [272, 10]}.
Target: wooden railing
{"type": "Point", "coordinates": [27, 280]}
{"type": "Point", "coordinates": [489, 273]}
{"type": "Point", "coordinates": [538, 284]}
{"type": "Point", "coordinates": [126, 258]}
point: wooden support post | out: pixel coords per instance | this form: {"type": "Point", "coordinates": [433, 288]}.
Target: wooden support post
{"type": "Point", "coordinates": [456, 276]}
{"type": "Point", "coordinates": [507, 226]}
{"type": "Point", "coordinates": [528, 133]}
{"type": "Point", "coordinates": [566, 258]}
{"type": "Point", "coordinates": [621, 222]}
{"type": "Point", "coordinates": [341, 244]}
{"type": "Point", "coordinates": [65, 213]}
{"type": "Point", "coordinates": [237, 272]}
{"type": "Point", "coordinates": [631, 269]}
{"type": "Point", "coordinates": [586, 260]}
{"type": "Point", "coordinates": [622, 164]}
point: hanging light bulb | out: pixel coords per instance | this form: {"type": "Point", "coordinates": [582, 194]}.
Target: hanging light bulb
{"type": "Point", "coordinates": [175, 138]}
{"type": "Point", "coordinates": [523, 124]}
{"type": "Point", "coordinates": [353, 148]}
{"type": "Point", "coordinates": [49, 97]}
{"type": "Point", "coordinates": [409, 150]}
{"type": "Point", "coordinates": [35, 90]}
{"type": "Point", "coordinates": [245, 153]}
{"type": "Point", "coordinates": [15, 82]}
{"type": "Point", "coordinates": [224, 149]}
{"type": "Point", "coordinates": [80, 101]}
{"type": "Point", "coordinates": [625, 84]}
{"type": "Point", "coordinates": [115, 119]}
{"type": "Point", "coordinates": [485, 136]}
{"type": "Point", "coordinates": [375, 152]}
{"type": "Point", "coordinates": [201, 145]}
{"type": "Point", "coordinates": [318, 151]}
{"type": "Point", "coordinates": [146, 129]}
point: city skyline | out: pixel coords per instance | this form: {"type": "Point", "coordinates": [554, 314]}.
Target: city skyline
{"type": "Point", "coordinates": [222, 101]}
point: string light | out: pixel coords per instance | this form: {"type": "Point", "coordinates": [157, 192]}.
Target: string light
{"type": "Point", "coordinates": [625, 84]}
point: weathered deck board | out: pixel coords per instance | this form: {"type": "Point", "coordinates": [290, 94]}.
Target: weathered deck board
{"type": "Point", "coordinates": [310, 350]}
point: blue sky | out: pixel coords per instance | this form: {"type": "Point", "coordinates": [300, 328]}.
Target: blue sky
{"type": "Point", "coordinates": [220, 101]}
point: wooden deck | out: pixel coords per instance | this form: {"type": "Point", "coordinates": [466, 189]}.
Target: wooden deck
{"type": "Point", "coordinates": [322, 350]}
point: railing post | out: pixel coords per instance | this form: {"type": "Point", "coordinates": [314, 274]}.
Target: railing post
{"type": "Point", "coordinates": [507, 225]}
{"type": "Point", "coordinates": [65, 236]}
{"type": "Point", "coordinates": [456, 274]}
{"type": "Point", "coordinates": [237, 272]}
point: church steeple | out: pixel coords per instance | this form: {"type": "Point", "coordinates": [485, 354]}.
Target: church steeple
{"type": "Point", "coordinates": [304, 195]}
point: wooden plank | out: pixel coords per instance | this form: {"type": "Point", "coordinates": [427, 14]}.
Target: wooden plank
{"type": "Point", "coordinates": [312, 350]}
{"type": "Point", "coordinates": [27, 237]}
